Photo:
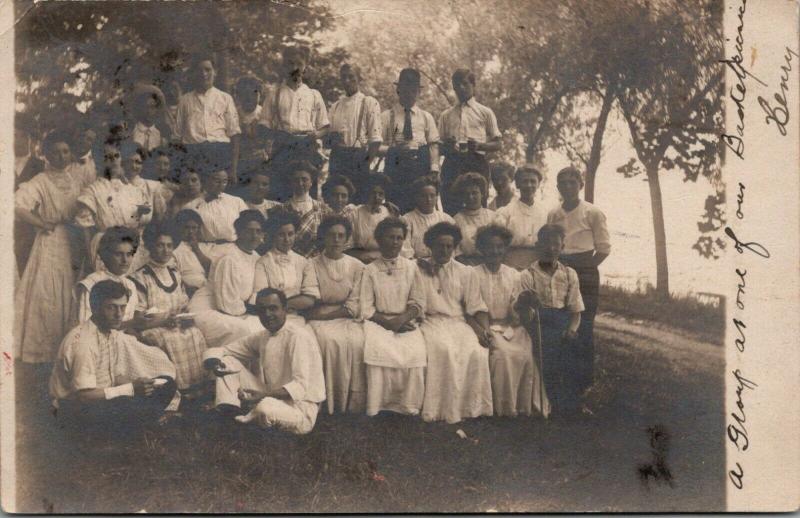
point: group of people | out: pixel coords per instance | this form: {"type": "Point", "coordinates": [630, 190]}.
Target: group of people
{"type": "Point", "coordinates": [205, 248]}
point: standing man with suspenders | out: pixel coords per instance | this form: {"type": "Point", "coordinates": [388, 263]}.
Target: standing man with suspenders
{"type": "Point", "coordinates": [355, 132]}
{"type": "Point", "coordinates": [468, 131]}
{"type": "Point", "coordinates": [411, 141]}
{"type": "Point", "coordinates": [293, 118]}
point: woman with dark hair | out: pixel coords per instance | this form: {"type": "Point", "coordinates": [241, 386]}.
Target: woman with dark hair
{"type": "Point", "coordinates": [457, 379]}
{"type": "Point", "coordinates": [43, 298]}
{"type": "Point", "coordinates": [300, 176]}
{"type": "Point", "coordinates": [116, 250]}
{"type": "Point", "coordinates": [192, 257]}
{"type": "Point", "coordinates": [133, 157]}
{"type": "Point", "coordinates": [161, 302]}
{"type": "Point", "coordinates": [220, 306]}
{"type": "Point", "coordinates": [284, 269]}
{"type": "Point", "coordinates": [517, 383]}
{"type": "Point", "coordinates": [189, 191]}
{"type": "Point", "coordinates": [337, 192]}
{"type": "Point", "coordinates": [470, 191]}
{"type": "Point", "coordinates": [333, 318]}
{"type": "Point", "coordinates": [391, 303]}
{"type": "Point", "coordinates": [423, 216]}
{"type": "Point", "coordinates": [367, 216]}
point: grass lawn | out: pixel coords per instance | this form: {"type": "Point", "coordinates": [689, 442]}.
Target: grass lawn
{"type": "Point", "coordinates": [353, 463]}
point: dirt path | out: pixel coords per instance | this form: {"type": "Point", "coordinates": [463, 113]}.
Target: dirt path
{"type": "Point", "coordinates": [680, 348]}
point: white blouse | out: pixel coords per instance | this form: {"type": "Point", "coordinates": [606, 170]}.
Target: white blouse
{"type": "Point", "coordinates": [389, 286]}
{"type": "Point", "coordinates": [469, 223]}
{"type": "Point", "coordinates": [291, 273]}
{"type": "Point", "coordinates": [453, 291]}
{"type": "Point", "coordinates": [339, 280]}
{"type": "Point", "coordinates": [418, 223]}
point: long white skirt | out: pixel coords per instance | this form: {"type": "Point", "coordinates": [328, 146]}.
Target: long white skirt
{"type": "Point", "coordinates": [517, 385]}
{"type": "Point", "coordinates": [217, 327]}
{"type": "Point", "coordinates": [43, 301]}
{"type": "Point", "coordinates": [457, 383]}
{"type": "Point", "coordinates": [341, 342]}
{"type": "Point", "coordinates": [395, 370]}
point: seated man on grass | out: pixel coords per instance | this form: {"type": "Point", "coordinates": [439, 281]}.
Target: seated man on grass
{"type": "Point", "coordinates": [107, 376]}
{"type": "Point", "coordinates": [286, 384]}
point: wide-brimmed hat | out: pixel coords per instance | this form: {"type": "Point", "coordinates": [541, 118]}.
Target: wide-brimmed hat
{"type": "Point", "coordinates": [409, 76]}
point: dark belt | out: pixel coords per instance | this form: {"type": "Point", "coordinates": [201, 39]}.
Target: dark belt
{"type": "Point", "coordinates": [579, 260]}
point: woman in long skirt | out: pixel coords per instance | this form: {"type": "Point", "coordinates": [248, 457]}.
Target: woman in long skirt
{"type": "Point", "coordinates": [161, 301]}
{"type": "Point", "coordinates": [220, 306]}
{"type": "Point", "coordinates": [457, 383]}
{"type": "Point", "coordinates": [391, 302]}
{"type": "Point", "coordinates": [43, 298]}
{"type": "Point", "coordinates": [333, 318]}
{"type": "Point", "coordinates": [517, 384]}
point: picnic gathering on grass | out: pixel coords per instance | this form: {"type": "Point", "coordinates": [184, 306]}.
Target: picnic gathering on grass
{"type": "Point", "coordinates": [276, 257]}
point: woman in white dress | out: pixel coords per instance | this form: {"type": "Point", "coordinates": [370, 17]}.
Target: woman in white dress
{"type": "Point", "coordinates": [111, 201]}
{"type": "Point", "coordinates": [192, 257]}
{"type": "Point", "coordinates": [423, 216]}
{"type": "Point", "coordinates": [218, 209]}
{"type": "Point", "coordinates": [333, 318]}
{"type": "Point", "coordinates": [457, 379]}
{"type": "Point", "coordinates": [471, 189]}
{"type": "Point", "coordinates": [161, 299]}
{"type": "Point", "coordinates": [391, 303]}
{"type": "Point", "coordinates": [367, 216]}
{"type": "Point", "coordinates": [116, 251]}
{"type": "Point", "coordinates": [517, 383]}
{"type": "Point", "coordinates": [220, 306]}
{"type": "Point", "coordinates": [284, 269]}
{"type": "Point", "coordinates": [133, 157]}
{"type": "Point", "coordinates": [43, 299]}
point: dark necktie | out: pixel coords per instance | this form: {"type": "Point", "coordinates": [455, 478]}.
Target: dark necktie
{"type": "Point", "coordinates": [407, 133]}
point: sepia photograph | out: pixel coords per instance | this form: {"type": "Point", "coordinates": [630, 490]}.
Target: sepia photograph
{"type": "Point", "coordinates": [371, 256]}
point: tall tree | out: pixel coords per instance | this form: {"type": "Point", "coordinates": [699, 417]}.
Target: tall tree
{"type": "Point", "coordinates": [672, 103]}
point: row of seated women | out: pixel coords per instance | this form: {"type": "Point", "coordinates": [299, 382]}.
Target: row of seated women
{"type": "Point", "coordinates": [431, 337]}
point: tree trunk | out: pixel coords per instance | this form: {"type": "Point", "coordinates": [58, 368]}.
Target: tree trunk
{"type": "Point", "coordinates": [662, 269]}
{"type": "Point", "coordinates": [597, 143]}
{"type": "Point", "coordinates": [537, 132]}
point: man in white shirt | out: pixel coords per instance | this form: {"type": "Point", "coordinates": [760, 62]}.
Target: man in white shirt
{"type": "Point", "coordinates": [105, 375]}
{"type": "Point", "coordinates": [468, 132]}
{"type": "Point", "coordinates": [410, 141]}
{"type": "Point", "coordinates": [355, 132]}
{"type": "Point", "coordinates": [293, 118]}
{"type": "Point", "coordinates": [207, 122]}
{"type": "Point", "coordinates": [586, 246]}
{"type": "Point", "coordinates": [285, 384]}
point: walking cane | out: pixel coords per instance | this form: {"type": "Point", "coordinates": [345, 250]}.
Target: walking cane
{"type": "Point", "coordinates": [544, 403]}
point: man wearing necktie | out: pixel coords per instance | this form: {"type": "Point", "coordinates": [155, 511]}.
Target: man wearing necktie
{"type": "Point", "coordinates": [468, 132]}
{"type": "Point", "coordinates": [410, 138]}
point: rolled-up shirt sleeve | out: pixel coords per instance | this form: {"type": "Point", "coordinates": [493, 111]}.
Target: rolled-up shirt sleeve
{"type": "Point", "coordinates": [231, 118]}
{"type": "Point", "coordinates": [602, 240]}
{"type": "Point", "coordinates": [374, 130]}
{"type": "Point", "coordinates": [320, 112]}
{"type": "Point", "coordinates": [574, 301]}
